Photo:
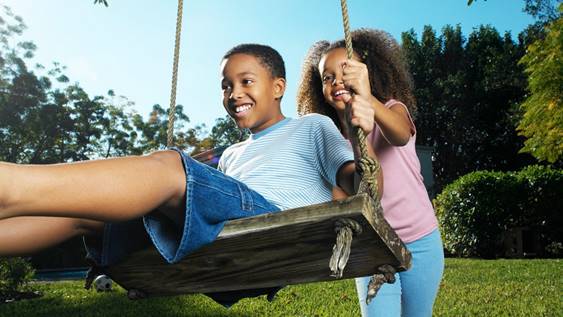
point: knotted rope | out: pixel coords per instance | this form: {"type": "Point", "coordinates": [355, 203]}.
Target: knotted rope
{"type": "Point", "coordinates": [367, 168]}
{"type": "Point", "coordinates": [345, 229]}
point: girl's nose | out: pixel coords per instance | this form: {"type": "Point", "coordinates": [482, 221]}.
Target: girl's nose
{"type": "Point", "coordinates": [337, 81]}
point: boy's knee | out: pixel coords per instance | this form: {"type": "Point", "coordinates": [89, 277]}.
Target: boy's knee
{"type": "Point", "coordinates": [169, 165]}
{"type": "Point", "coordinates": [168, 158]}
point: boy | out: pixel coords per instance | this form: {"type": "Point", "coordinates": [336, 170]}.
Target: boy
{"type": "Point", "coordinates": [285, 163]}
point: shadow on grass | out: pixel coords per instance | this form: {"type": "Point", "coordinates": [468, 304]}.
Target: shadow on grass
{"type": "Point", "coordinates": [115, 304]}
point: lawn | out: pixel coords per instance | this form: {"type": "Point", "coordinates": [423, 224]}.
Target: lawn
{"type": "Point", "coordinates": [470, 288]}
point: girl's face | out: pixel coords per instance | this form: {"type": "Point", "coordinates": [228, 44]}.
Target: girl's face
{"type": "Point", "coordinates": [330, 68]}
{"type": "Point", "coordinates": [250, 93]}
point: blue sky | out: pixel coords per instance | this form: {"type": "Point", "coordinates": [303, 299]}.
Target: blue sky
{"type": "Point", "coordinates": [128, 46]}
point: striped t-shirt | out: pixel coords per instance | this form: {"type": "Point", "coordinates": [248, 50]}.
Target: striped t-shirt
{"type": "Point", "coordinates": [292, 163]}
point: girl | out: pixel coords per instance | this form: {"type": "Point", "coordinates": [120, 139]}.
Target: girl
{"type": "Point", "coordinates": [376, 86]}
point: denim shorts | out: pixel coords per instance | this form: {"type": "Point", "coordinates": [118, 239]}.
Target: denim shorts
{"type": "Point", "coordinates": [212, 198]}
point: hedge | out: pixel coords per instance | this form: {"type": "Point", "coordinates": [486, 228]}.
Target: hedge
{"type": "Point", "coordinates": [477, 208]}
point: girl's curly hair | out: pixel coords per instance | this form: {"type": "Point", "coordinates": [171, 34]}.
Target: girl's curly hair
{"type": "Point", "coordinates": [389, 76]}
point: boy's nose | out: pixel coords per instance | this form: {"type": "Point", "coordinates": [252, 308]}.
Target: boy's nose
{"type": "Point", "coordinates": [236, 93]}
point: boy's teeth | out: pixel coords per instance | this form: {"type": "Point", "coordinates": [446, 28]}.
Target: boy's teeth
{"type": "Point", "coordinates": [242, 108]}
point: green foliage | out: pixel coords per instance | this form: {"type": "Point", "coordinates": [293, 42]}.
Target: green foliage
{"type": "Point", "coordinates": [44, 119]}
{"type": "Point", "coordinates": [476, 209]}
{"type": "Point", "coordinates": [543, 10]}
{"type": "Point", "coordinates": [104, 2]}
{"type": "Point", "coordinates": [469, 288]}
{"type": "Point", "coordinates": [542, 122]}
{"type": "Point", "coordinates": [15, 273]}
{"type": "Point", "coordinates": [466, 90]}
{"type": "Point", "coordinates": [225, 132]}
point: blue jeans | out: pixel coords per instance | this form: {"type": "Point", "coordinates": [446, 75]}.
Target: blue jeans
{"type": "Point", "coordinates": [415, 290]}
{"type": "Point", "coordinates": [212, 198]}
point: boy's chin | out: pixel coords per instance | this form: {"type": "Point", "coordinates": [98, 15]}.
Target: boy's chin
{"type": "Point", "coordinates": [241, 124]}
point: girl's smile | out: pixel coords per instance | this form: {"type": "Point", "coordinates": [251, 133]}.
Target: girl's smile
{"type": "Point", "coordinates": [331, 70]}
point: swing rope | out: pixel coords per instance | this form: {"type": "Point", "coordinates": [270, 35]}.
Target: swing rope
{"type": "Point", "coordinates": [368, 168]}
{"type": "Point", "coordinates": [172, 109]}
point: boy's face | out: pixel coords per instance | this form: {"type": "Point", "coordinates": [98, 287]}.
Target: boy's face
{"type": "Point", "coordinates": [251, 95]}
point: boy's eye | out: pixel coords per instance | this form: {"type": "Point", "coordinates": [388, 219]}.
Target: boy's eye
{"type": "Point", "coordinates": [247, 81]}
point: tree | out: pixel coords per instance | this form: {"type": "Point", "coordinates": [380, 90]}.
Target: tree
{"type": "Point", "coordinates": [225, 132]}
{"type": "Point", "coordinates": [466, 91]}
{"type": "Point", "coordinates": [542, 121]}
{"type": "Point", "coordinates": [104, 2]}
{"type": "Point", "coordinates": [544, 11]}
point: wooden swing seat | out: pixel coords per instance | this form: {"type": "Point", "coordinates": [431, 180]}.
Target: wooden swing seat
{"type": "Point", "coordinates": [288, 247]}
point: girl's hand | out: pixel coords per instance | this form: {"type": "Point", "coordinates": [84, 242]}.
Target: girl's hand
{"type": "Point", "coordinates": [355, 77]}
{"type": "Point", "coordinates": [360, 110]}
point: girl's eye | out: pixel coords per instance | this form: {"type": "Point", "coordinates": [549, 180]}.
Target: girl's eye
{"type": "Point", "coordinates": [327, 78]}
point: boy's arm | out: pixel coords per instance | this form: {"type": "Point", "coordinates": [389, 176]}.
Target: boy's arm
{"type": "Point", "coordinates": [349, 180]}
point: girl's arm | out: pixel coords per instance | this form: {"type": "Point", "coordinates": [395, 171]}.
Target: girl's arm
{"type": "Point", "coordinates": [394, 122]}
{"type": "Point", "coordinates": [362, 111]}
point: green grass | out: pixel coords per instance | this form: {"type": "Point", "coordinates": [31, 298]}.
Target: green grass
{"type": "Point", "coordinates": [469, 288]}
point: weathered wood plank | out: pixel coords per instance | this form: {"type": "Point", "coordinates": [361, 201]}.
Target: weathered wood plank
{"type": "Point", "coordinates": [289, 247]}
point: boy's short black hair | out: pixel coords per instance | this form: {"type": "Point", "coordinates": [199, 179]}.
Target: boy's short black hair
{"type": "Point", "coordinates": [268, 57]}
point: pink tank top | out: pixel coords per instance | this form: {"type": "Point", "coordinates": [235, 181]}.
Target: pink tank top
{"type": "Point", "coordinates": [405, 202]}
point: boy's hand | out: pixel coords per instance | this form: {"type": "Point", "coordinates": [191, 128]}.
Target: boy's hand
{"type": "Point", "coordinates": [360, 104]}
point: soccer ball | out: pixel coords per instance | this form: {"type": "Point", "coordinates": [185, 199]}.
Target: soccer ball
{"type": "Point", "coordinates": [102, 283]}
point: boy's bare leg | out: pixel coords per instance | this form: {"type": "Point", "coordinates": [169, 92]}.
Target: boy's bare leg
{"type": "Point", "coordinates": [105, 190]}
{"type": "Point", "coordinates": [26, 235]}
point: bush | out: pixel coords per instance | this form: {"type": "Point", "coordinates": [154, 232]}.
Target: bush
{"type": "Point", "coordinates": [15, 273]}
{"type": "Point", "coordinates": [476, 209]}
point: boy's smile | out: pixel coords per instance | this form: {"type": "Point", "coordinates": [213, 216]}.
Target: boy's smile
{"type": "Point", "coordinates": [251, 95]}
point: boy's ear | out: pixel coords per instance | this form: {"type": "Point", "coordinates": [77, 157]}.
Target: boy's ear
{"type": "Point", "coordinates": [279, 87]}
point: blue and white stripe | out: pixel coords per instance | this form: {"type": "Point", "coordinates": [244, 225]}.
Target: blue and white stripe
{"type": "Point", "coordinates": [292, 163]}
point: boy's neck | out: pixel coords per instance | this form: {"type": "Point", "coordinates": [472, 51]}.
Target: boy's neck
{"type": "Point", "coordinates": [271, 126]}
{"type": "Point", "coordinates": [277, 117]}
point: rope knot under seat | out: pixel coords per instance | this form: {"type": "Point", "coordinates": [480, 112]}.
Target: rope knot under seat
{"type": "Point", "coordinates": [345, 229]}
{"type": "Point", "coordinates": [386, 275]}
